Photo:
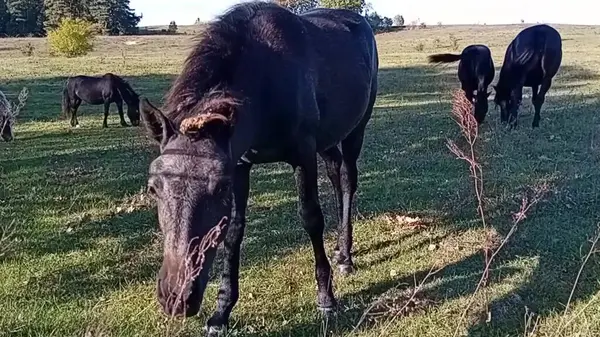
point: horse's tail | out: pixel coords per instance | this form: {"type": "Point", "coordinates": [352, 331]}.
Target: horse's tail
{"type": "Point", "coordinates": [444, 58]}
{"type": "Point", "coordinates": [66, 101]}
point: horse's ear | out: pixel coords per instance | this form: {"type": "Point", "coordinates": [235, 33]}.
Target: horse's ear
{"type": "Point", "coordinates": [157, 125]}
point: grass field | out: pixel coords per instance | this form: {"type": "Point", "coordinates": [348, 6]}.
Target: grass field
{"type": "Point", "coordinates": [85, 249]}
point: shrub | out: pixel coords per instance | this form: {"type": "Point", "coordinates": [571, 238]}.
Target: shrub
{"type": "Point", "coordinates": [72, 38]}
{"type": "Point", "coordinates": [172, 27]}
{"type": "Point", "coordinates": [420, 47]}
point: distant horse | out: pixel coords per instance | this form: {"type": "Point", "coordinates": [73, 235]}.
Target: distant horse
{"type": "Point", "coordinates": [105, 90]}
{"type": "Point", "coordinates": [6, 118]}
{"type": "Point", "coordinates": [262, 85]}
{"type": "Point", "coordinates": [9, 112]}
{"type": "Point", "coordinates": [532, 59]}
{"type": "Point", "coordinates": [475, 72]}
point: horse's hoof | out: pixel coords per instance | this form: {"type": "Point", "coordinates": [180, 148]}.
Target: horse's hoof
{"type": "Point", "coordinates": [326, 311]}
{"type": "Point", "coordinates": [215, 331]}
{"type": "Point", "coordinates": [346, 269]}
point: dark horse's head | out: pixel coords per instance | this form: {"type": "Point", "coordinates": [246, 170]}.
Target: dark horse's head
{"type": "Point", "coordinates": [509, 102]}
{"type": "Point", "coordinates": [133, 109]}
{"type": "Point", "coordinates": [481, 106]}
{"type": "Point", "coordinates": [191, 181]}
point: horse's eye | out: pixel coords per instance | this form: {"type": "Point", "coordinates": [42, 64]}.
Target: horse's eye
{"type": "Point", "coordinates": [221, 188]}
{"type": "Point", "coordinates": [151, 191]}
{"type": "Point", "coordinates": [152, 187]}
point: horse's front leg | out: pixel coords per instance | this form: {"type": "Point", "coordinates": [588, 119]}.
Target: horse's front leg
{"type": "Point", "coordinates": [106, 110]}
{"type": "Point", "coordinates": [309, 209]}
{"type": "Point", "coordinates": [121, 115]}
{"type": "Point", "coordinates": [229, 289]}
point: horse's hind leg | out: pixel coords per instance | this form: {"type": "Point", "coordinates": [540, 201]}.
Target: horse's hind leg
{"type": "Point", "coordinates": [106, 110]}
{"type": "Point", "coordinates": [333, 162]}
{"type": "Point", "coordinates": [305, 167]}
{"type": "Point", "coordinates": [121, 116]}
{"type": "Point", "coordinates": [229, 289]}
{"type": "Point", "coordinates": [538, 99]}
{"type": "Point", "coordinates": [351, 148]}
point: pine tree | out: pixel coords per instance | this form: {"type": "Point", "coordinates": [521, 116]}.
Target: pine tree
{"type": "Point", "coordinates": [100, 14]}
{"type": "Point", "coordinates": [114, 17]}
{"type": "Point", "coordinates": [4, 18]}
{"type": "Point", "coordinates": [125, 19]}
{"type": "Point", "coordinates": [56, 10]}
{"type": "Point", "coordinates": [26, 17]}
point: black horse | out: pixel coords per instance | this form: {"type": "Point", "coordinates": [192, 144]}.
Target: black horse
{"type": "Point", "coordinates": [532, 59]}
{"type": "Point", "coordinates": [105, 90]}
{"type": "Point", "coordinates": [475, 72]}
{"type": "Point", "coordinates": [262, 85]}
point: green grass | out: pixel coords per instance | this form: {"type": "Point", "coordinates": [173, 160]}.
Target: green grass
{"type": "Point", "coordinates": [86, 249]}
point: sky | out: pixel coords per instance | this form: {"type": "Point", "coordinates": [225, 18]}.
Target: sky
{"type": "Point", "coordinates": [584, 12]}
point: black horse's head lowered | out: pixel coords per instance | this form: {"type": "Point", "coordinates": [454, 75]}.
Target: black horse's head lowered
{"type": "Point", "coordinates": [475, 72]}
{"type": "Point", "coordinates": [508, 100]}
{"type": "Point", "coordinates": [191, 181]}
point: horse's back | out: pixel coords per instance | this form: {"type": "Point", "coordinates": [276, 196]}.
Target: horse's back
{"type": "Point", "coordinates": [536, 44]}
{"type": "Point", "coordinates": [346, 64]}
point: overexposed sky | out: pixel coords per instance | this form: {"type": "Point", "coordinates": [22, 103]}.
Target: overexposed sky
{"type": "Point", "coordinates": [584, 12]}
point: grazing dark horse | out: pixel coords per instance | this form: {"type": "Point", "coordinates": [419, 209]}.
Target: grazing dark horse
{"type": "Point", "coordinates": [262, 85]}
{"type": "Point", "coordinates": [6, 118]}
{"type": "Point", "coordinates": [532, 59]}
{"type": "Point", "coordinates": [475, 72]}
{"type": "Point", "coordinates": [105, 90]}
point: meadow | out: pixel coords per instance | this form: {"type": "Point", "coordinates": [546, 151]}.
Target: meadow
{"type": "Point", "coordinates": [80, 245]}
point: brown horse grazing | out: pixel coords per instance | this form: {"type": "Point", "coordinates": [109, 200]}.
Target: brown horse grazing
{"type": "Point", "coordinates": [475, 72]}
{"type": "Point", "coordinates": [262, 85]}
{"type": "Point", "coordinates": [532, 59]}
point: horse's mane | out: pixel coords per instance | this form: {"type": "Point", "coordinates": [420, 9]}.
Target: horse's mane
{"type": "Point", "coordinates": [129, 95]}
{"type": "Point", "coordinates": [211, 63]}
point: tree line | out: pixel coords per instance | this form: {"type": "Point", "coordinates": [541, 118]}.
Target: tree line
{"type": "Point", "coordinates": [36, 17]}
{"type": "Point", "coordinates": [376, 21]}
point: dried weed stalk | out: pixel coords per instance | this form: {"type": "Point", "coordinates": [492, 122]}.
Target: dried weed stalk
{"type": "Point", "coordinates": [462, 112]}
